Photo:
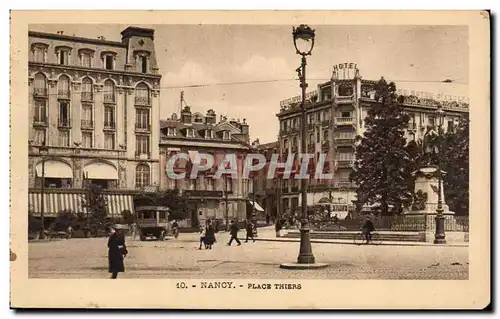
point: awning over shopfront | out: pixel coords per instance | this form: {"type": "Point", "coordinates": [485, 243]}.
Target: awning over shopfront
{"type": "Point", "coordinates": [101, 170]}
{"type": "Point", "coordinates": [118, 203]}
{"type": "Point", "coordinates": [256, 205]}
{"type": "Point", "coordinates": [54, 169]}
{"type": "Point", "coordinates": [54, 203]}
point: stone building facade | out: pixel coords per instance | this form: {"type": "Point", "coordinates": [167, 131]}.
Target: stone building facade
{"type": "Point", "coordinates": [94, 104]}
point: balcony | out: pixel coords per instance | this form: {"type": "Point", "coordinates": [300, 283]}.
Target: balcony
{"type": "Point", "coordinates": [341, 121]}
{"type": "Point", "coordinates": [40, 92]}
{"type": "Point", "coordinates": [344, 99]}
{"type": "Point", "coordinates": [311, 148]}
{"type": "Point", "coordinates": [87, 125]}
{"type": "Point", "coordinates": [344, 184]}
{"type": "Point", "coordinates": [139, 127]}
{"type": "Point", "coordinates": [344, 141]}
{"type": "Point", "coordinates": [87, 96]}
{"type": "Point", "coordinates": [325, 123]}
{"type": "Point", "coordinates": [40, 121]}
{"type": "Point", "coordinates": [142, 100]}
{"type": "Point", "coordinates": [64, 123]}
{"type": "Point", "coordinates": [344, 163]}
{"type": "Point", "coordinates": [64, 94]}
{"type": "Point", "coordinates": [142, 155]}
{"type": "Point", "coordinates": [109, 98]}
{"type": "Point", "coordinates": [294, 130]}
{"type": "Point", "coordinates": [109, 126]}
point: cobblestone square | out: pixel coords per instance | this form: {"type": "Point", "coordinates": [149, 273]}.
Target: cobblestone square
{"type": "Point", "coordinates": [180, 258]}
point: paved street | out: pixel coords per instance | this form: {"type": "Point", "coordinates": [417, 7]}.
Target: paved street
{"type": "Point", "coordinates": [87, 258]}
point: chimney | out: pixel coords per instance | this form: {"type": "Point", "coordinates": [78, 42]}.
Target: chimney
{"type": "Point", "coordinates": [186, 115]}
{"type": "Point", "coordinates": [211, 117]}
{"type": "Point", "coordinates": [244, 127]}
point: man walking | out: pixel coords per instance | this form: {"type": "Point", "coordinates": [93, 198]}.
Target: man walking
{"type": "Point", "coordinates": [234, 233]}
{"type": "Point", "coordinates": [250, 230]}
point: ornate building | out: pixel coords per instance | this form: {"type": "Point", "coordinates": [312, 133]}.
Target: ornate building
{"type": "Point", "coordinates": [335, 116]}
{"type": "Point", "coordinates": [94, 104]}
{"type": "Point", "coordinates": [208, 197]}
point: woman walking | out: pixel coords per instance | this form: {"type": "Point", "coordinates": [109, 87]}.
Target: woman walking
{"type": "Point", "coordinates": [116, 252]}
{"type": "Point", "coordinates": [209, 235]}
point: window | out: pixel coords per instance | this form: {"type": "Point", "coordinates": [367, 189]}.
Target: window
{"type": "Point", "coordinates": [311, 138]}
{"type": "Point", "coordinates": [108, 62]}
{"type": "Point", "coordinates": [189, 132]}
{"type": "Point", "coordinates": [346, 114]}
{"type": "Point", "coordinates": [144, 64]}
{"type": "Point", "coordinates": [109, 116]}
{"type": "Point", "coordinates": [63, 57]}
{"type": "Point", "coordinates": [142, 144]}
{"type": "Point", "coordinates": [171, 131]}
{"type": "Point", "coordinates": [210, 184]}
{"type": "Point", "coordinates": [64, 114]}
{"type": "Point", "coordinates": [64, 138]}
{"type": "Point", "coordinates": [142, 94]}
{"type": "Point", "coordinates": [87, 118]}
{"type": "Point", "coordinates": [326, 94]}
{"type": "Point", "coordinates": [451, 126]}
{"type": "Point", "coordinates": [294, 142]}
{"type": "Point", "coordinates": [198, 119]}
{"type": "Point", "coordinates": [39, 138]}
{"type": "Point", "coordinates": [226, 135]}
{"type": "Point", "coordinates": [142, 119]}
{"type": "Point", "coordinates": [87, 139]}
{"type": "Point", "coordinates": [345, 135]}
{"type": "Point", "coordinates": [209, 134]}
{"type": "Point", "coordinates": [39, 52]}
{"type": "Point", "coordinates": [109, 141]}
{"type": "Point", "coordinates": [294, 123]}
{"type": "Point", "coordinates": [40, 85]}
{"type": "Point", "coordinates": [325, 135]}
{"type": "Point", "coordinates": [228, 187]}
{"type": "Point", "coordinates": [40, 112]}
{"type": "Point", "coordinates": [346, 90]}
{"type": "Point", "coordinates": [142, 176]}
{"type": "Point", "coordinates": [86, 59]}
{"type": "Point", "coordinates": [431, 121]}
{"type": "Point", "coordinates": [109, 91]}
{"type": "Point", "coordinates": [87, 92]}
{"type": "Point", "coordinates": [63, 91]}
{"type": "Point", "coordinates": [318, 134]}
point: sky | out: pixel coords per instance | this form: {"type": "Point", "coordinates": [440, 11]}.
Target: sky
{"type": "Point", "coordinates": [414, 57]}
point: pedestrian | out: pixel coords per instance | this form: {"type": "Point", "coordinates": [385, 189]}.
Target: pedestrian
{"type": "Point", "coordinates": [367, 229]}
{"type": "Point", "coordinates": [69, 232]}
{"type": "Point", "coordinates": [278, 227]}
{"type": "Point", "coordinates": [202, 235]}
{"type": "Point", "coordinates": [234, 233]}
{"type": "Point", "coordinates": [116, 252]}
{"type": "Point", "coordinates": [249, 229]}
{"type": "Point", "coordinates": [209, 235]}
{"type": "Point", "coordinates": [268, 219]}
{"type": "Point", "coordinates": [133, 230]}
{"type": "Point", "coordinates": [175, 229]}
{"type": "Point", "coordinates": [335, 219]}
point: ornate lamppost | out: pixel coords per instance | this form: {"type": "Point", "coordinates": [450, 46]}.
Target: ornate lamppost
{"type": "Point", "coordinates": [43, 151]}
{"type": "Point", "coordinates": [303, 40]}
{"type": "Point", "coordinates": [439, 236]}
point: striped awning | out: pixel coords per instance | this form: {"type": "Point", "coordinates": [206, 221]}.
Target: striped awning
{"type": "Point", "coordinates": [55, 203]}
{"type": "Point", "coordinates": [118, 203]}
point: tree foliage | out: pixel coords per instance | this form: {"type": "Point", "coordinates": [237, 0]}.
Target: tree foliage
{"type": "Point", "coordinates": [382, 168]}
{"type": "Point", "coordinates": [455, 162]}
{"type": "Point", "coordinates": [97, 207]}
{"type": "Point", "coordinates": [128, 217]}
{"type": "Point", "coordinates": [171, 198]}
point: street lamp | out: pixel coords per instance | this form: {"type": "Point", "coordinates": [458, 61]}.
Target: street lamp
{"type": "Point", "coordinates": [439, 236]}
{"type": "Point", "coordinates": [43, 151]}
{"type": "Point", "coordinates": [303, 40]}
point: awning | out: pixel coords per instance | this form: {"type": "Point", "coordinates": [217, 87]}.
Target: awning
{"type": "Point", "coordinates": [118, 203]}
{"type": "Point", "coordinates": [55, 203]}
{"type": "Point", "coordinates": [101, 170]}
{"type": "Point", "coordinates": [54, 169]}
{"type": "Point", "coordinates": [256, 205]}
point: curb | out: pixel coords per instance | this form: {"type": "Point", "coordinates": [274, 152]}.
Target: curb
{"type": "Point", "coordinates": [315, 241]}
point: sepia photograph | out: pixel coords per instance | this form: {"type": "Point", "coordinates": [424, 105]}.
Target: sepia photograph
{"type": "Point", "coordinates": [247, 157]}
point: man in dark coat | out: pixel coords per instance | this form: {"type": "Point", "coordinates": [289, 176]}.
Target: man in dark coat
{"type": "Point", "coordinates": [116, 252]}
{"type": "Point", "coordinates": [250, 230]}
{"type": "Point", "coordinates": [234, 233]}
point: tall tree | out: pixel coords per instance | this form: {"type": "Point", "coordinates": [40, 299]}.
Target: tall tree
{"type": "Point", "coordinates": [456, 164]}
{"type": "Point", "coordinates": [96, 204]}
{"type": "Point", "coordinates": [381, 169]}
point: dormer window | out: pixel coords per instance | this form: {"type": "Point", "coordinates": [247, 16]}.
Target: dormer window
{"type": "Point", "coordinates": [226, 135]}
{"type": "Point", "coordinates": [171, 131]}
{"type": "Point", "coordinates": [39, 52]}
{"type": "Point", "coordinates": [142, 61]}
{"type": "Point", "coordinates": [190, 132]}
{"type": "Point", "coordinates": [209, 134]}
{"type": "Point", "coordinates": [86, 56]}
{"type": "Point", "coordinates": [198, 120]}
